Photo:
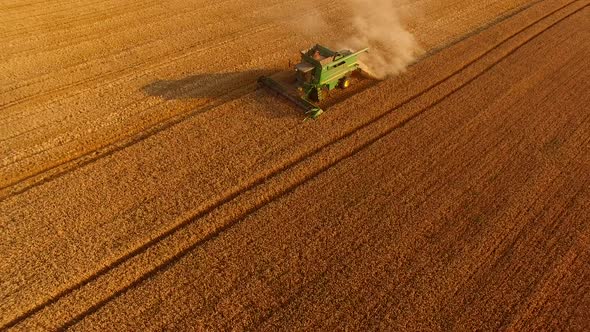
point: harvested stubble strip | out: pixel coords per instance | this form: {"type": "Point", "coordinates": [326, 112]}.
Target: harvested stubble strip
{"type": "Point", "coordinates": [414, 245]}
{"type": "Point", "coordinates": [91, 96]}
{"type": "Point", "coordinates": [159, 203]}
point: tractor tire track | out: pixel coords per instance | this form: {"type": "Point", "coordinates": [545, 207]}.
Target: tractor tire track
{"type": "Point", "coordinates": [278, 173]}
{"type": "Point", "coordinates": [55, 171]}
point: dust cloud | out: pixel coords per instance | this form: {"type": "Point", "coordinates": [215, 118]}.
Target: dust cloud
{"type": "Point", "coordinates": [376, 24]}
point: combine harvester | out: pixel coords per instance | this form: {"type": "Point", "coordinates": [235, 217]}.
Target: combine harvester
{"type": "Point", "coordinates": [320, 71]}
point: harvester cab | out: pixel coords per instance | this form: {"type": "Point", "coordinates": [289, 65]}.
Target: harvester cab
{"type": "Point", "coordinates": [319, 71]}
{"type": "Point", "coordinates": [304, 72]}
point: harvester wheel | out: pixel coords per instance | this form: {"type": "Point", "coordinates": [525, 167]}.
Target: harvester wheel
{"type": "Point", "coordinates": [345, 83]}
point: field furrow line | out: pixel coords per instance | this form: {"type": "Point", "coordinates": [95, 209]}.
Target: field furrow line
{"type": "Point", "coordinates": [476, 181]}
{"type": "Point", "coordinates": [159, 126]}
{"type": "Point", "coordinates": [298, 171]}
{"type": "Point", "coordinates": [65, 167]}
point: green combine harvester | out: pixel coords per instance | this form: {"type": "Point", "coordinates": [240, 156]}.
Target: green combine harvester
{"type": "Point", "coordinates": [319, 71]}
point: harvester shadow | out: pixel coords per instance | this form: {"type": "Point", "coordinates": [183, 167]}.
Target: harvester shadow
{"type": "Point", "coordinates": [209, 85]}
{"type": "Point", "coordinates": [219, 88]}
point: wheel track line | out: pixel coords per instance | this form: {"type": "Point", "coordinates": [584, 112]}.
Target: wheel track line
{"type": "Point", "coordinates": [244, 278]}
{"type": "Point", "coordinates": [295, 296]}
{"type": "Point", "coordinates": [281, 192]}
{"type": "Point", "coordinates": [247, 89]}
{"type": "Point", "coordinates": [230, 94]}
{"type": "Point", "coordinates": [96, 154]}
{"type": "Point", "coordinates": [122, 143]}
{"type": "Point", "coordinates": [100, 151]}
{"type": "Point", "coordinates": [413, 276]}
{"type": "Point", "coordinates": [436, 187]}
{"type": "Point", "coordinates": [412, 279]}
{"type": "Point", "coordinates": [274, 173]}
{"type": "Point", "coordinates": [455, 42]}
{"type": "Point", "coordinates": [315, 280]}
{"type": "Point", "coordinates": [499, 19]}
{"type": "Point", "coordinates": [210, 307]}
{"type": "Point", "coordinates": [24, 132]}
{"type": "Point", "coordinates": [119, 78]}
